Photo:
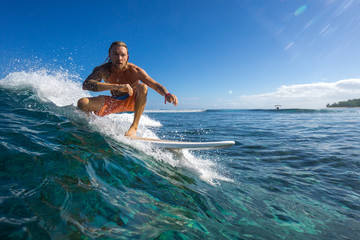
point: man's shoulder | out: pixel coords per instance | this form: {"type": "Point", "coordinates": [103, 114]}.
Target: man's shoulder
{"type": "Point", "coordinates": [132, 66]}
{"type": "Point", "coordinates": [103, 70]}
{"type": "Point", "coordinates": [134, 69]}
{"type": "Point", "coordinates": [103, 67]}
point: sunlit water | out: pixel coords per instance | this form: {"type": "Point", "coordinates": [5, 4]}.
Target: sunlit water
{"type": "Point", "coordinates": [293, 174]}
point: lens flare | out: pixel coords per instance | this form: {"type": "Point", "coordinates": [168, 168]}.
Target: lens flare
{"type": "Point", "coordinates": [300, 10]}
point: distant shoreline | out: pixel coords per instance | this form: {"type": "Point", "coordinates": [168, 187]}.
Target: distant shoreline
{"type": "Point", "coordinates": [343, 107]}
{"type": "Point", "coordinates": [351, 103]}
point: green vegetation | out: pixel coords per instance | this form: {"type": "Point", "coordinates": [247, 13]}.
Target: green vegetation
{"type": "Point", "coordinates": [348, 103]}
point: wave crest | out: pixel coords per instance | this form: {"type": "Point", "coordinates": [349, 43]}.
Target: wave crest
{"type": "Point", "coordinates": [60, 88]}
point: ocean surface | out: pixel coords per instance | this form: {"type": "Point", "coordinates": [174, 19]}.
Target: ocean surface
{"type": "Point", "coordinates": [292, 174]}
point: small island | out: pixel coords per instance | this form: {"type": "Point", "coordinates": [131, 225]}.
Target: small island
{"type": "Point", "coordinates": [345, 104]}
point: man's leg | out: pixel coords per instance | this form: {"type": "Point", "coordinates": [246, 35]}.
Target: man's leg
{"type": "Point", "coordinates": [140, 102]}
{"type": "Point", "coordinates": [91, 104]}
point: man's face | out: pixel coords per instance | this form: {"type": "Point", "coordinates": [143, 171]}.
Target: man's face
{"type": "Point", "coordinates": [119, 56]}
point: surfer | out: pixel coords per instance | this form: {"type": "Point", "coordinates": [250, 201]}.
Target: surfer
{"type": "Point", "coordinates": [123, 80]}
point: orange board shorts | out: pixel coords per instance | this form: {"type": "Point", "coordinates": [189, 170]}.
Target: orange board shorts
{"type": "Point", "coordinates": [114, 105]}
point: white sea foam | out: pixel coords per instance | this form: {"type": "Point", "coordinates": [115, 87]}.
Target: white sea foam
{"type": "Point", "coordinates": [62, 89]}
{"type": "Point", "coordinates": [204, 167]}
{"type": "Point", "coordinates": [57, 87]}
{"type": "Point", "coordinates": [116, 125]}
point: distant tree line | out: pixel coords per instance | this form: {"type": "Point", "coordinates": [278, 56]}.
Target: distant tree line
{"type": "Point", "coordinates": [348, 103]}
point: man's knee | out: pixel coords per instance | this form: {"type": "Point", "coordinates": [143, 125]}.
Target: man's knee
{"type": "Point", "coordinates": [83, 103]}
{"type": "Point", "coordinates": [142, 89]}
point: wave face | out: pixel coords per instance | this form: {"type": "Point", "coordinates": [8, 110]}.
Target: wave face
{"type": "Point", "coordinates": [293, 174]}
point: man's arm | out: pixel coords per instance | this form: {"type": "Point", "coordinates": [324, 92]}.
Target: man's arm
{"type": "Point", "coordinates": [93, 83]}
{"type": "Point", "coordinates": [95, 86]}
{"type": "Point", "coordinates": [145, 78]}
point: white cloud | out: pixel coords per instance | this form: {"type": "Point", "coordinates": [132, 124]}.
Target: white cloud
{"type": "Point", "coordinates": [230, 92]}
{"type": "Point", "coordinates": [313, 95]}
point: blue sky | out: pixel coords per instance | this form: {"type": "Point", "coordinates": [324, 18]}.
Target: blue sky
{"type": "Point", "coordinates": [211, 54]}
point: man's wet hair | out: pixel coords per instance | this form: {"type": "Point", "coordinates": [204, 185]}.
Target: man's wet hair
{"type": "Point", "coordinates": [117, 44]}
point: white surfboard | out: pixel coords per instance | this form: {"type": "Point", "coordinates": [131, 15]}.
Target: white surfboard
{"type": "Point", "coordinates": [168, 144]}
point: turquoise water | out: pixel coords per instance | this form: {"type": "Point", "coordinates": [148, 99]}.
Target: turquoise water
{"type": "Point", "coordinates": [293, 174]}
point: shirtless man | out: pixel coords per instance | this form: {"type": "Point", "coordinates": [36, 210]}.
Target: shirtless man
{"type": "Point", "coordinates": [123, 80]}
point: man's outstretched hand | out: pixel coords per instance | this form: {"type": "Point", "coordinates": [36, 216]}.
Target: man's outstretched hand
{"type": "Point", "coordinates": [171, 98]}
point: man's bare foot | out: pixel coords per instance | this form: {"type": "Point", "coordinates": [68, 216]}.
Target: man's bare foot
{"type": "Point", "coordinates": [131, 132]}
